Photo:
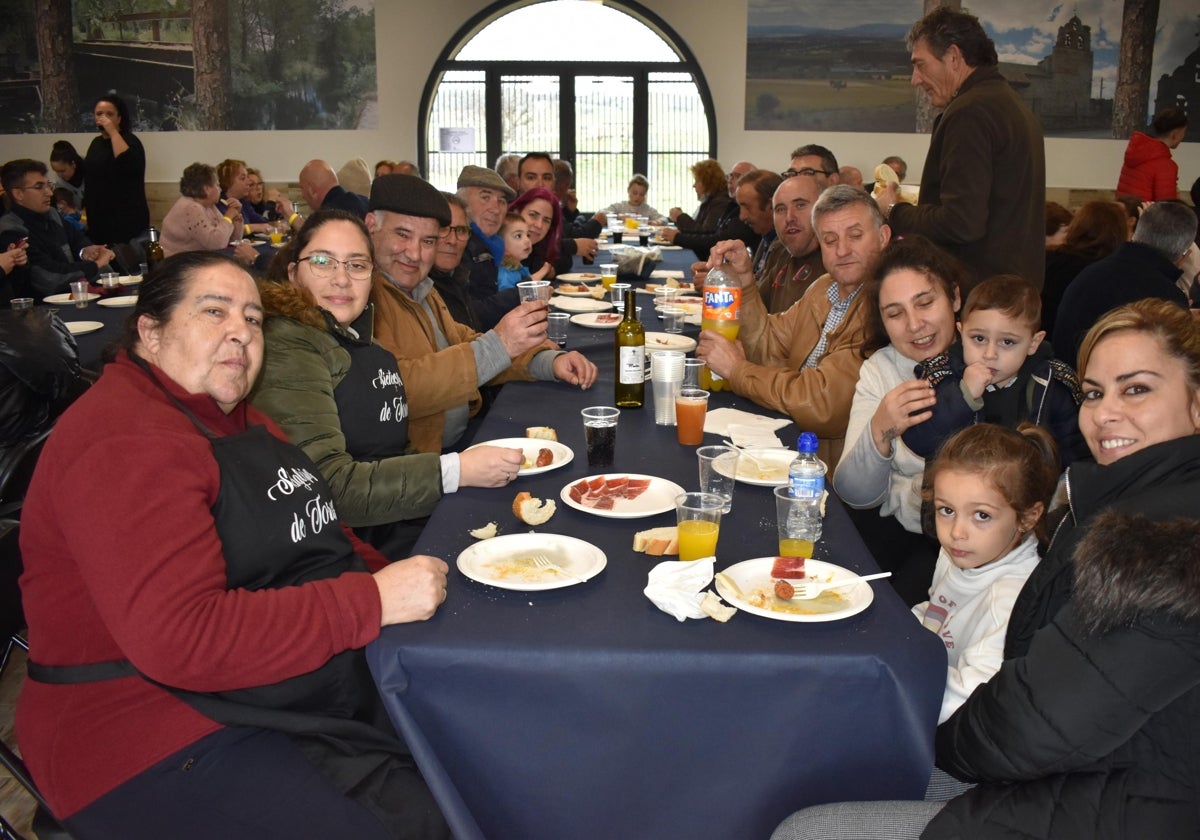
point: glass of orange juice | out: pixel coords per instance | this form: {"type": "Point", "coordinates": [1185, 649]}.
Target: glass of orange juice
{"type": "Point", "coordinates": [699, 519]}
{"type": "Point", "coordinates": [608, 274]}
{"type": "Point", "coordinates": [787, 516]}
{"type": "Point", "coordinates": [691, 404]}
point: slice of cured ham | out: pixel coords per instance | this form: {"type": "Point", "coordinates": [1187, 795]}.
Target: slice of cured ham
{"type": "Point", "coordinates": [791, 568]}
{"type": "Point", "coordinates": [603, 492]}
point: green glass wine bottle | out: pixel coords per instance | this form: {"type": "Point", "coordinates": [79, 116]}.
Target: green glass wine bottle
{"type": "Point", "coordinates": [631, 357]}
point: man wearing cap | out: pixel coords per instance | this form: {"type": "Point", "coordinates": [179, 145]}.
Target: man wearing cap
{"type": "Point", "coordinates": [443, 362]}
{"type": "Point", "coordinates": [487, 198]}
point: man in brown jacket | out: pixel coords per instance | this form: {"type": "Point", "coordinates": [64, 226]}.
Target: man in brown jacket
{"type": "Point", "coordinates": [804, 362]}
{"type": "Point", "coordinates": [443, 362]}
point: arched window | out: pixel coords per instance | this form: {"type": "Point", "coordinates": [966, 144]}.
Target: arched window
{"type": "Point", "coordinates": [608, 87]}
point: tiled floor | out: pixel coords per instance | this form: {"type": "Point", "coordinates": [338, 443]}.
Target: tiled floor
{"type": "Point", "coordinates": [15, 804]}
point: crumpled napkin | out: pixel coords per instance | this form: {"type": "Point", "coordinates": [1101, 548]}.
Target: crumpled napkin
{"type": "Point", "coordinates": [757, 427]}
{"type": "Point", "coordinates": [677, 586]}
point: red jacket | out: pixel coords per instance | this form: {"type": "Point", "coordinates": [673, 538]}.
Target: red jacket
{"type": "Point", "coordinates": [1149, 172]}
{"type": "Point", "coordinates": [122, 561]}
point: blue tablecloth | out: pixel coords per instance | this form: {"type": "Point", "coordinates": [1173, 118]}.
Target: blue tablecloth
{"type": "Point", "coordinates": [586, 712]}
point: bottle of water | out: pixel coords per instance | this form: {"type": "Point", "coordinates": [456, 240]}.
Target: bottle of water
{"type": "Point", "coordinates": [806, 476]}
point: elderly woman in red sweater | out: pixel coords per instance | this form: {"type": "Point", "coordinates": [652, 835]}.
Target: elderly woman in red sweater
{"type": "Point", "coordinates": [196, 665]}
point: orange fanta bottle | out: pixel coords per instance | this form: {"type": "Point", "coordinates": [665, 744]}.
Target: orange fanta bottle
{"type": "Point", "coordinates": [722, 309]}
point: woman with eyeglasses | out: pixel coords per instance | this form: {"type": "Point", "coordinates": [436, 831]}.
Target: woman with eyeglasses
{"type": "Point", "coordinates": [339, 396]}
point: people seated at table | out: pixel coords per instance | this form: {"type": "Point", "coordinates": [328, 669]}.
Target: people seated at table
{"type": "Point", "coordinates": [852, 176]}
{"type": "Point", "coordinates": [1001, 371]}
{"type": "Point", "coordinates": [635, 205]}
{"type": "Point", "coordinates": [384, 167]}
{"type": "Point", "coordinates": [338, 395]}
{"type": "Point", "coordinates": [40, 376]}
{"type": "Point", "coordinates": [320, 190]}
{"type": "Point", "coordinates": [406, 167]}
{"type": "Point", "coordinates": [910, 303]}
{"type": "Point", "coordinates": [194, 222]}
{"type": "Point", "coordinates": [68, 170]}
{"type": "Point", "coordinates": [13, 257]}
{"type": "Point", "coordinates": [517, 248]}
{"type": "Point", "coordinates": [64, 202]}
{"type": "Point", "coordinates": [988, 490]}
{"type": "Point", "coordinates": [712, 192]}
{"type": "Point", "coordinates": [486, 197]}
{"type": "Point", "coordinates": [218, 631]}
{"type": "Point", "coordinates": [814, 161]}
{"type": "Point", "coordinates": [804, 362]}
{"type": "Point", "coordinates": [728, 226]}
{"type": "Point", "coordinates": [114, 170]}
{"type": "Point", "coordinates": [508, 167]}
{"type": "Point", "coordinates": [1147, 266]}
{"type": "Point", "coordinates": [444, 363]}
{"type": "Point", "coordinates": [234, 181]}
{"type": "Point", "coordinates": [536, 171]}
{"type": "Point", "coordinates": [1093, 233]}
{"type": "Point", "coordinates": [1057, 219]}
{"type": "Point", "coordinates": [543, 213]}
{"type": "Point", "coordinates": [1087, 728]}
{"type": "Point", "coordinates": [756, 209]}
{"type": "Point", "coordinates": [57, 253]}
{"type": "Point", "coordinates": [256, 194]}
{"type": "Point", "coordinates": [450, 274]}
{"type": "Point", "coordinates": [794, 261]}
{"type": "Point", "coordinates": [564, 189]}
{"type": "Point", "coordinates": [1148, 172]}
{"type": "Point", "coordinates": [354, 176]}
{"type": "Point", "coordinates": [898, 166]}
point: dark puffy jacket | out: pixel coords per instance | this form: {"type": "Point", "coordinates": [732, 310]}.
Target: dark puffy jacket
{"type": "Point", "coordinates": [1148, 172]}
{"type": "Point", "coordinates": [1092, 734]}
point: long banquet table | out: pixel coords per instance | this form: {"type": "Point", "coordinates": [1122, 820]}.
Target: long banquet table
{"type": "Point", "coordinates": [586, 712]}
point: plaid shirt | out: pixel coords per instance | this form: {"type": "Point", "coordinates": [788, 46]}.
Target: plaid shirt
{"type": "Point", "coordinates": [832, 321]}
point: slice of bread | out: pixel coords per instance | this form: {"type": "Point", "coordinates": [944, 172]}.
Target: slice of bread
{"type": "Point", "coordinates": [541, 433]}
{"type": "Point", "coordinates": [657, 541]}
{"type": "Point", "coordinates": [485, 533]}
{"type": "Point", "coordinates": [712, 607]}
{"type": "Point", "coordinates": [533, 511]}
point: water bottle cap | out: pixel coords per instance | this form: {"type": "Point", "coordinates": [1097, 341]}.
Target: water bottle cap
{"type": "Point", "coordinates": [807, 442]}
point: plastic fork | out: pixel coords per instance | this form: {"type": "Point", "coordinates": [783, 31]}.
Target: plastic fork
{"type": "Point", "coordinates": [544, 562]}
{"type": "Point", "coordinates": [807, 590]}
{"type": "Point", "coordinates": [744, 451]}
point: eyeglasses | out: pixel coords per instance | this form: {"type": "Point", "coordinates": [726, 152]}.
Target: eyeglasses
{"type": "Point", "coordinates": [458, 230]}
{"type": "Point", "coordinates": [40, 186]}
{"type": "Point", "coordinates": [324, 266]}
{"type": "Point", "coordinates": [807, 172]}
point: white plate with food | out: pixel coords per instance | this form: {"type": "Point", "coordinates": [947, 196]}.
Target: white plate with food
{"type": "Point", "coordinates": [65, 298]}
{"type": "Point", "coordinates": [597, 320]}
{"type": "Point", "coordinates": [578, 304]}
{"type": "Point", "coordinates": [690, 307]}
{"type": "Point", "coordinates": [560, 454]}
{"type": "Point", "coordinates": [579, 277]}
{"type": "Point", "coordinates": [680, 291]}
{"type": "Point", "coordinates": [129, 279]}
{"type": "Point", "coordinates": [119, 301]}
{"type": "Point", "coordinates": [508, 562]}
{"type": "Point", "coordinates": [84, 327]}
{"type": "Point", "coordinates": [575, 289]}
{"type": "Point", "coordinates": [669, 341]}
{"type": "Point", "coordinates": [666, 274]}
{"type": "Point", "coordinates": [621, 495]}
{"type": "Point", "coordinates": [753, 590]}
{"type": "Point", "coordinates": [762, 467]}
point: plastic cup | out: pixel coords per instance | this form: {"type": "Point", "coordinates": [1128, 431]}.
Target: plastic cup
{"type": "Point", "coordinates": [556, 327]}
{"type": "Point", "coordinates": [698, 516]}
{"type": "Point", "coordinates": [143, 269]}
{"type": "Point", "coordinates": [666, 376]}
{"type": "Point", "coordinates": [533, 290]}
{"type": "Point", "coordinates": [718, 471]}
{"type": "Point", "coordinates": [787, 514]}
{"type": "Point", "coordinates": [643, 236]}
{"type": "Point", "coordinates": [600, 434]}
{"type": "Point", "coordinates": [608, 274]}
{"type": "Point", "coordinates": [276, 237]}
{"type": "Point", "coordinates": [79, 293]}
{"type": "Point", "coordinates": [616, 295]}
{"type": "Point", "coordinates": [690, 407]}
{"type": "Point", "coordinates": [691, 373]}
{"type": "Point", "coordinates": [672, 318]}
{"type": "Point", "coordinates": [22, 303]}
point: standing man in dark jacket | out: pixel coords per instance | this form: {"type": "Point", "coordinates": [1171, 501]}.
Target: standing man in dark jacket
{"type": "Point", "coordinates": [983, 188]}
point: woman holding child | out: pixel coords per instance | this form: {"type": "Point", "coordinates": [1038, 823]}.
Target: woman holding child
{"type": "Point", "coordinates": [1088, 729]}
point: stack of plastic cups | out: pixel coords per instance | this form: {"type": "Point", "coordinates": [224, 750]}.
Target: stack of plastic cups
{"type": "Point", "coordinates": [666, 377]}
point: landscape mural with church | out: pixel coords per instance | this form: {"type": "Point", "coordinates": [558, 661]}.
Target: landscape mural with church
{"type": "Point", "coordinates": [1095, 69]}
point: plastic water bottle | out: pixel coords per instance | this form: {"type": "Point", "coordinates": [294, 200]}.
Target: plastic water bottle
{"type": "Point", "coordinates": [806, 476]}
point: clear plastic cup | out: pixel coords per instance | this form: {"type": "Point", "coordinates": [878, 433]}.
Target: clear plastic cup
{"type": "Point", "coordinates": [718, 471]}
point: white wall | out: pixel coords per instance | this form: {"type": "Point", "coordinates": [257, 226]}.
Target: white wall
{"type": "Point", "coordinates": [410, 36]}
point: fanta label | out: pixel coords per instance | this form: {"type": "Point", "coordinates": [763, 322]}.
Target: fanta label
{"type": "Point", "coordinates": [722, 304]}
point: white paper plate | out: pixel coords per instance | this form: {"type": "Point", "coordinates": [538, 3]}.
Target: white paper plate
{"type": "Point", "coordinates": [667, 274]}
{"type": "Point", "coordinates": [669, 341]}
{"type": "Point", "coordinates": [574, 304]}
{"type": "Point", "coordinates": [504, 561]}
{"type": "Point", "coordinates": [574, 293]}
{"type": "Point", "coordinates": [596, 320]}
{"type": "Point", "coordinates": [563, 454]}
{"type": "Point", "coordinates": [129, 279]}
{"type": "Point", "coordinates": [753, 578]}
{"type": "Point", "coordinates": [658, 497]}
{"type": "Point", "coordinates": [689, 307]}
{"type": "Point", "coordinates": [65, 299]}
{"type": "Point", "coordinates": [770, 471]}
{"type": "Point", "coordinates": [118, 302]}
{"type": "Point", "coordinates": [591, 277]}
{"type": "Point", "coordinates": [84, 327]}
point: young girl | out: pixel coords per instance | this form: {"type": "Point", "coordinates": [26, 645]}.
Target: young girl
{"type": "Point", "coordinates": [989, 488]}
{"type": "Point", "coordinates": [517, 246]}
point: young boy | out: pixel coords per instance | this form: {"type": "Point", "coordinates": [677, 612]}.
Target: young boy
{"type": "Point", "coordinates": [64, 201]}
{"type": "Point", "coordinates": [1002, 372]}
{"type": "Point", "coordinates": [517, 247]}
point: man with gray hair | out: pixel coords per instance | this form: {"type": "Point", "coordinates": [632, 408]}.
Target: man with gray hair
{"type": "Point", "coordinates": [508, 167]}
{"type": "Point", "coordinates": [486, 196]}
{"type": "Point", "coordinates": [1147, 267]}
{"type": "Point", "coordinates": [804, 362]}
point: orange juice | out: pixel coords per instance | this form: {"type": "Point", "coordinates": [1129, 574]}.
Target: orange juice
{"type": "Point", "coordinates": [710, 381]}
{"type": "Point", "coordinates": [689, 418]}
{"type": "Point", "coordinates": [789, 547]}
{"type": "Point", "coordinates": [722, 314]}
{"type": "Point", "coordinates": [631, 223]}
{"type": "Point", "coordinates": [608, 280]}
{"type": "Point", "coordinates": [697, 538]}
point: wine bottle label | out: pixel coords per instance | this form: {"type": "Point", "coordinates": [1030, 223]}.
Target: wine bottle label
{"type": "Point", "coordinates": [631, 365]}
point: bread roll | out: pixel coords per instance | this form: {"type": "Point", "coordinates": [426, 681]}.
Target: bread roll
{"type": "Point", "coordinates": [532, 511]}
{"type": "Point", "coordinates": [541, 432]}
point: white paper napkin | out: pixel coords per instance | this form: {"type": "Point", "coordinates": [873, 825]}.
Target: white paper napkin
{"type": "Point", "coordinates": [720, 421]}
{"type": "Point", "coordinates": [677, 587]}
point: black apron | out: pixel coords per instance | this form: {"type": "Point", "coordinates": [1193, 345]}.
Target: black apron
{"type": "Point", "coordinates": [278, 527]}
{"type": "Point", "coordinates": [373, 413]}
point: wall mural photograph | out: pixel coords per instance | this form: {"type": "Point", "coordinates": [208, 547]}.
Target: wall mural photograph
{"type": "Point", "coordinates": [198, 65]}
{"type": "Point", "coordinates": [1092, 68]}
